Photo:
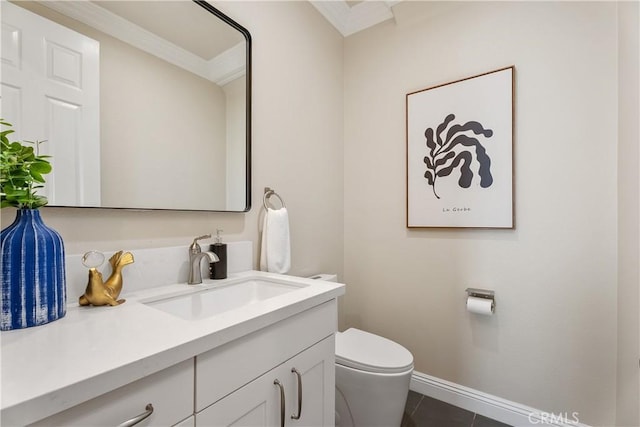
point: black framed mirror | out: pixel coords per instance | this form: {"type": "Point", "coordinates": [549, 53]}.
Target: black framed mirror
{"type": "Point", "coordinates": [143, 105]}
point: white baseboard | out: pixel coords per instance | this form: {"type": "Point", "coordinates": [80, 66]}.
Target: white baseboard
{"type": "Point", "coordinates": [490, 406]}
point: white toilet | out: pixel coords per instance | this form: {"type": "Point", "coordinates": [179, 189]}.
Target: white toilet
{"type": "Point", "coordinates": [372, 380]}
{"type": "Point", "coordinates": [372, 377]}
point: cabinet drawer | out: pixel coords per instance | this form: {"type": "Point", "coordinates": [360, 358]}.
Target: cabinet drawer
{"type": "Point", "coordinates": [227, 368]}
{"type": "Point", "coordinates": [170, 391]}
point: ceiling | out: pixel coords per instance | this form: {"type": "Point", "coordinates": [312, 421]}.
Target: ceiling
{"type": "Point", "coordinates": [349, 16]}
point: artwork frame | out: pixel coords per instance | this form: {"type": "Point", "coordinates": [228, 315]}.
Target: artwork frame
{"type": "Point", "coordinates": [459, 142]}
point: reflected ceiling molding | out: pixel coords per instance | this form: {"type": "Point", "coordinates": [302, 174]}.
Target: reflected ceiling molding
{"type": "Point", "coordinates": [228, 66]}
{"type": "Point", "coordinates": [352, 19]}
{"type": "Point", "coordinates": [222, 69]}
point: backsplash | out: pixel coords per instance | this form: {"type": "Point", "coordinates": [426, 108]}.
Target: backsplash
{"type": "Point", "coordinates": [154, 267]}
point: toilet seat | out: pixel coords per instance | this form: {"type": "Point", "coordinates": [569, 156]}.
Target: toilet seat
{"type": "Point", "coordinates": [371, 353]}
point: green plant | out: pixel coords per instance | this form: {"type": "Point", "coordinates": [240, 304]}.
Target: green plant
{"type": "Point", "coordinates": [21, 172]}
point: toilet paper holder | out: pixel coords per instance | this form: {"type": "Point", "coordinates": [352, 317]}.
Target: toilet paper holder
{"type": "Point", "coordinates": [481, 301]}
{"type": "Point", "coordinates": [480, 293]}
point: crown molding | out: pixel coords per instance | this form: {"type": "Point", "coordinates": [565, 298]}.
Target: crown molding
{"type": "Point", "coordinates": [228, 66]}
{"type": "Point", "coordinates": [350, 20]}
{"type": "Point", "coordinates": [222, 69]}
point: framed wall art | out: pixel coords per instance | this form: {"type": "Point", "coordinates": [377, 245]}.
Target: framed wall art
{"type": "Point", "coordinates": [460, 153]}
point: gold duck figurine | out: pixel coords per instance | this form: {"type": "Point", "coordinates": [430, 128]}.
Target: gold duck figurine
{"type": "Point", "coordinates": [106, 293]}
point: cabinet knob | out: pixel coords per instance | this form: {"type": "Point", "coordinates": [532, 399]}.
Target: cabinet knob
{"type": "Point", "coordinates": [279, 384]}
{"type": "Point", "coordinates": [299, 376]}
{"type": "Point", "coordinates": [148, 410]}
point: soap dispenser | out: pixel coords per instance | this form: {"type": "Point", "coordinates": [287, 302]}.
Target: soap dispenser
{"type": "Point", "coordinates": [218, 270]}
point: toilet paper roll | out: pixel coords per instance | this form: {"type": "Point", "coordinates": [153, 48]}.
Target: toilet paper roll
{"type": "Point", "coordinates": [480, 305]}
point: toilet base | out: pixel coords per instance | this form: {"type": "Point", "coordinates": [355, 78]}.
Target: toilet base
{"type": "Point", "coordinates": [365, 399]}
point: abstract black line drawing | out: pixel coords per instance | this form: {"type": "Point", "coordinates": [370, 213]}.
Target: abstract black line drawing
{"type": "Point", "coordinates": [454, 151]}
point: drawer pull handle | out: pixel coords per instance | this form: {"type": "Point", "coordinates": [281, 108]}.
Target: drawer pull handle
{"type": "Point", "coordinates": [279, 384]}
{"type": "Point", "coordinates": [295, 371]}
{"type": "Point", "coordinates": [148, 410]}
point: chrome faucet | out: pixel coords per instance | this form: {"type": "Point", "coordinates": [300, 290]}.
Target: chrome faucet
{"type": "Point", "coordinates": [195, 258]}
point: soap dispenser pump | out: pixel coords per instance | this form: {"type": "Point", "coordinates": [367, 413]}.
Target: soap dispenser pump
{"type": "Point", "coordinates": [218, 270]}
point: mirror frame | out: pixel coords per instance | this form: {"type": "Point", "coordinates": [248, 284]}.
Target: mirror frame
{"type": "Point", "coordinates": [247, 37]}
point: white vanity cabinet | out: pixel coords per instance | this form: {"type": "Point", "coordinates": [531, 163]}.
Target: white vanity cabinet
{"type": "Point", "coordinates": [170, 392]}
{"type": "Point", "coordinates": [239, 367]}
{"type": "Point", "coordinates": [247, 382]}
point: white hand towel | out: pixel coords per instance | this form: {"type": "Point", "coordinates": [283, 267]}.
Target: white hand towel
{"type": "Point", "coordinates": [275, 250]}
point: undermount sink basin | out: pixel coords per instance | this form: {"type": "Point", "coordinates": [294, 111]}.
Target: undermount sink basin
{"type": "Point", "coordinates": [213, 301]}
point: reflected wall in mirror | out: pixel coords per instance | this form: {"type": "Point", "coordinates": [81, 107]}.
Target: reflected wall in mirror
{"type": "Point", "coordinates": [144, 105]}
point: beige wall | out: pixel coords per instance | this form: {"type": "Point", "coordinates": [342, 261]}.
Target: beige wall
{"type": "Point", "coordinates": [150, 106]}
{"type": "Point", "coordinates": [628, 378]}
{"type": "Point", "coordinates": [552, 342]}
{"type": "Point", "coordinates": [177, 116]}
{"type": "Point", "coordinates": [297, 149]}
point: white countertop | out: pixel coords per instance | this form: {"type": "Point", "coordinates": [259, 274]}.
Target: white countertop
{"type": "Point", "coordinates": [93, 350]}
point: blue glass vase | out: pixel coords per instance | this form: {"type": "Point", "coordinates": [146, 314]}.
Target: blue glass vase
{"type": "Point", "coordinates": [34, 290]}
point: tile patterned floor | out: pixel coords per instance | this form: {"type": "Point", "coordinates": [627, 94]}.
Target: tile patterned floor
{"type": "Point", "coordinates": [424, 411]}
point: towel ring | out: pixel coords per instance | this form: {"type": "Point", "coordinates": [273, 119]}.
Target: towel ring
{"type": "Point", "coordinates": [268, 192]}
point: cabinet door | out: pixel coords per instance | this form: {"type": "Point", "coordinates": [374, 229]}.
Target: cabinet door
{"type": "Point", "coordinates": [189, 422]}
{"type": "Point", "coordinates": [254, 405]}
{"type": "Point", "coordinates": [316, 370]}
{"type": "Point", "coordinates": [259, 403]}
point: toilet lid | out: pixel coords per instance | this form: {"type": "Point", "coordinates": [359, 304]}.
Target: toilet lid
{"type": "Point", "coordinates": [372, 353]}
